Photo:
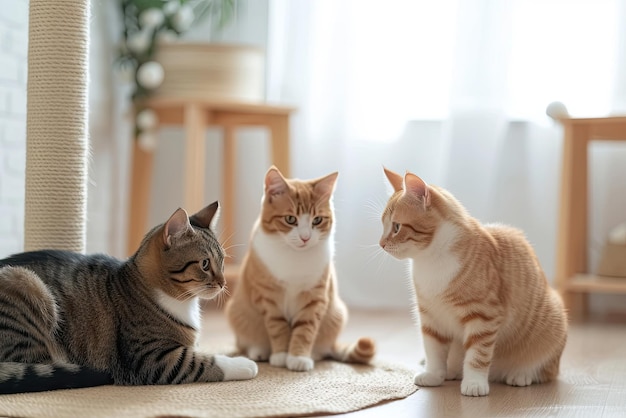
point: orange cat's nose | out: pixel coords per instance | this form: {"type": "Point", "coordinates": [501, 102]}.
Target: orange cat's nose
{"type": "Point", "coordinates": [382, 243]}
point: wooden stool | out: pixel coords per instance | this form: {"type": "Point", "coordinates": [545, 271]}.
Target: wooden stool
{"type": "Point", "coordinates": [572, 276]}
{"type": "Point", "coordinates": [195, 116]}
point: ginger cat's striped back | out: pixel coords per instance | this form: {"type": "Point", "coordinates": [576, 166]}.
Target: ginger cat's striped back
{"type": "Point", "coordinates": [286, 307]}
{"type": "Point", "coordinates": [486, 309]}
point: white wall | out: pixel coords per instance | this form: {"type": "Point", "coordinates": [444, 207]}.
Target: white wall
{"type": "Point", "coordinates": [13, 75]}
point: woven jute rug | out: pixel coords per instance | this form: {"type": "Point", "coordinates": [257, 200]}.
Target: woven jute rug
{"type": "Point", "coordinates": [330, 388]}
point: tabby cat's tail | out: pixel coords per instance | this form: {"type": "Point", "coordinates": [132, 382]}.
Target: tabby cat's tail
{"type": "Point", "coordinates": [22, 377]}
{"type": "Point", "coordinates": [362, 351]}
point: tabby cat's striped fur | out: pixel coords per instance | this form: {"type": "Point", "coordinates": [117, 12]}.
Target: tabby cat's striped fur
{"type": "Point", "coordinates": [70, 320]}
{"type": "Point", "coordinates": [486, 309]}
{"type": "Point", "coordinates": [286, 307]}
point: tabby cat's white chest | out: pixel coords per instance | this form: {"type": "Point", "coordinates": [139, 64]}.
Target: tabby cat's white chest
{"type": "Point", "coordinates": [295, 269]}
{"type": "Point", "coordinates": [188, 312]}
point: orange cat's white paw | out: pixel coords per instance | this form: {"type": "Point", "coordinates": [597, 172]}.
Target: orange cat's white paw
{"type": "Point", "coordinates": [519, 379]}
{"type": "Point", "coordinates": [236, 368]}
{"type": "Point", "coordinates": [299, 363]}
{"type": "Point", "coordinates": [258, 353]}
{"type": "Point", "coordinates": [429, 379]}
{"type": "Point", "coordinates": [475, 387]}
{"type": "Point", "coordinates": [278, 359]}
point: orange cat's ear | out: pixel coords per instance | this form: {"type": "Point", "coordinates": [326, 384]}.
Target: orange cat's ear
{"type": "Point", "coordinates": [395, 179]}
{"type": "Point", "coordinates": [325, 186]}
{"type": "Point", "coordinates": [416, 187]}
{"type": "Point", "coordinates": [275, 183]}
{"type": "Point", "coordinates": [178, 222]}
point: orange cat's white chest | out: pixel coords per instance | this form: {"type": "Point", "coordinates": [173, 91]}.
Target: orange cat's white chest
{"type": "Point", "coordinates": [299, 269]}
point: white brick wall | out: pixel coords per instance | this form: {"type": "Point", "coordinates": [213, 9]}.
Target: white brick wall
{"type": "Point", "coordinates": [13, 71]}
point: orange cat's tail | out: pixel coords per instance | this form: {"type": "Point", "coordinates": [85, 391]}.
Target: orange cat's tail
{"type": "Point", "coordinates": [362, 351]}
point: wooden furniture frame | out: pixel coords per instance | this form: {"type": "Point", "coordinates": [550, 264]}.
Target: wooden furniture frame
{"type": "Point", "coordinates": [195, 116]}
{"type": "Point", "coordinates": [572, 276]}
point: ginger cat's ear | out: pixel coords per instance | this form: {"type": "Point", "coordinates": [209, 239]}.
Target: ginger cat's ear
{"type": "Point", "coordinates": [275, 183]}
{"type": "Point", "coordinates": [325, 186]}
{"type": "Point", "coordinates": [177, 223]}
{"type": "Point", "coordinates": [416, 187]}
{"type": "Point", "coordinates": [395, 179]}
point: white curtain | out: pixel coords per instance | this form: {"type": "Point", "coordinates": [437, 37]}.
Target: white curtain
{"type": "Point", "coordinates": [455, 91]}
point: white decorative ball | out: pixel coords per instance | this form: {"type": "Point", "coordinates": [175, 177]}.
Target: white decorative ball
{"type": "Point", "coordinates": [147, 141]}
{"type": "Point", "coordinates": [171, 7]}
{"type": "Point", "coordinates": [147, 120]}
{"type": "Point", "coordinates": [151, 18]}
{"type": "Point", "coordinates": [183, 18]}
{"type": "Point", "coordinates": [557, 110]}
{"type": "Point", "coordinates": [617, 236]}
{"type": "Point", "coordinates": [150, 75]}
{"type": "Point", "coordinates": [138, 42]}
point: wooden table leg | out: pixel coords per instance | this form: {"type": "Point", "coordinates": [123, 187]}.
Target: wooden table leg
{"type": "Point", "coordinates": [279, 128]}
{"type": "Point", "coordinates": [141, 175]}
{"type": "Point", "coordinates": [572, 238]}
{"type": "Point", "coordinates": [229, 185]}
{"type": "Point", "coordinates": [195, 121]}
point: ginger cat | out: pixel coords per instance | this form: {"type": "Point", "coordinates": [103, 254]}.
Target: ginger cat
{"type": "Point", "coordinates": [286, 307]}
{"type": "Point", "coordinates": [486, 310]}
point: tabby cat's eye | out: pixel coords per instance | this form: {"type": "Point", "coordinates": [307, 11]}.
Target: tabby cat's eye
{"type": "Point", "coordinates": [206, 264]}
{"type": "Point", "coordinates": [396, 227]}
{"type": "Point", "coordinates": [317, 220]}
{"type": "Point", "coordinates": [291, 220]}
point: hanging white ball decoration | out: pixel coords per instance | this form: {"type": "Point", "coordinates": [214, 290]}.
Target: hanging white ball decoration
{"type": "Point", "coordinates": [183, 18]}
{"type": "Point", "coordinates": [138, 42]}
{"type": "Point", "coordinates": [147, 141]}
{"type": "Point", "coordinates": [557, 110]}
{"type": "Point", "coordinates": [151, 18]}
{"type": "Point", "coordinates": [147, 120]}
{"type": "Point", "coordinates": [171, 7]}
{"type": "Point", "coordinates": [150, 75]}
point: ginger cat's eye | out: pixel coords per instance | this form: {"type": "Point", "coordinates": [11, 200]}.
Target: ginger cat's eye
{"type": "Point", "coordinates": [396, 227]}
{"type": "Point", "coordinates": [291, 220]}
{"type": "Point", "coordinates": [206, 264]}
{"type": "Point", "coordinates": [317, 220]}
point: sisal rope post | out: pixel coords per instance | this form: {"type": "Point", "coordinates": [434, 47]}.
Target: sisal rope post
{"type": "Point", "coordinates": [57, 125]}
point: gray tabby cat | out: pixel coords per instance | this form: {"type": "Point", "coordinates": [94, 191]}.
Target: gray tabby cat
{"type": "Point", "coordinates": [69, 320]}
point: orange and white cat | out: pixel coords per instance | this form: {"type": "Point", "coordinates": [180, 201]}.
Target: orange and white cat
{"type": "Point", "coordinates": [285, 307]}
{"type": "Point", "coordinates": [487, 312]}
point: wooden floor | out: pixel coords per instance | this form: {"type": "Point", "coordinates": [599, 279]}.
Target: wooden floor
{"type": "Point", "coordinates": [592, 381]}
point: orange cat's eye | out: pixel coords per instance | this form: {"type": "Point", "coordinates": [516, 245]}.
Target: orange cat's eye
{"type": "Point", "coordinates": [396, 227]}
{"type": "Point", "coordinates": [291, 220]}
{"type": "Point", "coordinates": [317, 220]}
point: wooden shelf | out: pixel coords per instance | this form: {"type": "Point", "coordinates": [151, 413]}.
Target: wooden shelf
{"type": "Point", "coordinates": [591, 283]}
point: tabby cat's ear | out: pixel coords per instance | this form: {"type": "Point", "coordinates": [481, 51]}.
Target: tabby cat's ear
{"type": "Point", "coordinates": [178, 222]}
{"type": "Point", "coordinates": [325, 186]}
{"type": "Point", "coordinates": [275, 183]}
{"type": "Point", "coordinates": [416, 187]}
{"type": "Point", "coordinates": [207, 217]}
{"type": "Point", "coordinates": [395, 179]}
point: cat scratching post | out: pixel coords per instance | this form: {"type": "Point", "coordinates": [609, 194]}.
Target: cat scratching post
{"type": "Point", "coordinates": [56, 133]}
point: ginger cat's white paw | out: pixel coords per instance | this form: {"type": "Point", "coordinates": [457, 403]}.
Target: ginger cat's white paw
{"type": "Point", "coordinates": [519, 379]}
{"type": "Point", "coordinates": [278, 359]}
{"type": "Point", "coordinates": [429, 379]}
{"type": "Point", "coordinates": [299, 363]}
{"type": "Point", "coordinates": [258, 353]}
{"type": "Point", "coordinates": [236, 368]}
{"type": "Point", "coordinates": [475, 387]}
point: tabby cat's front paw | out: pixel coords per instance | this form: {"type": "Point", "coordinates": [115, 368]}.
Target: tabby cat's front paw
{"type": "Point", "coordinates": [429, 379]}
{"type": "Point", "coordinates": [299, 363]}
{"type": "Point", "coordinates": [474, 387]}
{"type": "Point", "coordinates": [278, 359]}
{"type": "Point", "coordinates": [236, 368]}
